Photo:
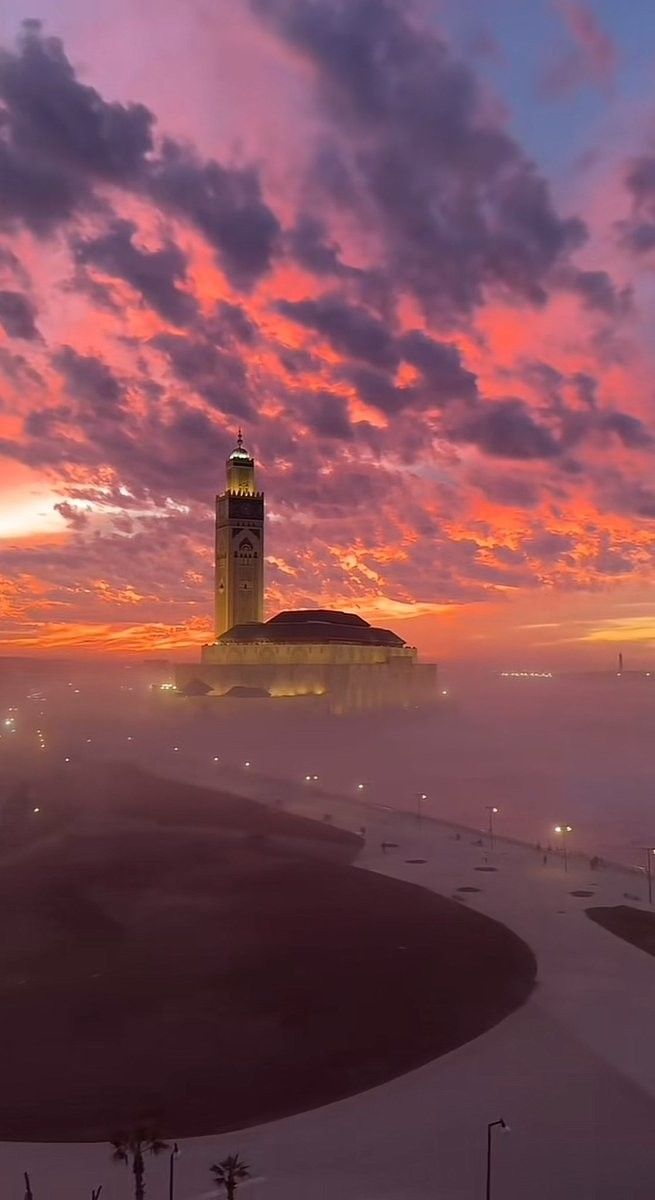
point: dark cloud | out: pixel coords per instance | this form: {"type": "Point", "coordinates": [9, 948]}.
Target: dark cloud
{"type": "Point", "coordinates": [597, 290]}
{"type": "Point", "coordinates": [50, 115]}
{"type": "Point", "coordinates": [637, 231]}
{"type": "Point", "coordinates": [349, 329]}
{"type": "Point", "coordinates": [441, 365]}
{"type": "Point", "coordinates": [506, 429]}
{"type": "Point", "coordinates": [327, 415]}
{"type": "Point", "coordinates": [19, 370]}
{"type": "Point", "coordinates": [377, 389]}
{"type": "Point", "coordinates": [36, 193]}
{"type": "Point", "coordinates": [511, 491]}
{"type": "Point", "coordinates": [17, 315]}
{"type": "Point", "coordinates": [156, 274]}
{"type": "Point", "coordinates": [75, 517]}
{"type": "Point", "coordinates": [58, 135]}
{"type": "Point", "coordinates": [548, 546]}
{"type": "Point", "coordinates": [90, 381]}
{"type": "Point", "coordinates": [60, 139]}
{"type": "Point", "coordinates": [587, 389]}
{"type": "Point", "coordinates": [215, 374]}
{"type": "Point", "coordinates": [224, 203]}
{"type": "Point", "coordinates": [630, 430]}
{"type": "Point", "coordinates": [232, 320]}
{"type": "Point", "coordinates": [457, 203]}
{"type": "Point", "coordinates": [12, 267]}
{"type": "Point", "coordinates": [638, 236]}
{"type": "Point", "coordinates": [309, 242]}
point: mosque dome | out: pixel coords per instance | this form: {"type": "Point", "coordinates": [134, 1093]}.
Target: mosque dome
{"type": "Point", "coordinates": [314, 626]}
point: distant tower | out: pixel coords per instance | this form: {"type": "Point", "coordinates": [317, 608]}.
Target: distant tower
{"type": "Point", "coordinates": [620, 663]}
{"type": "Point", "coordinates": [239, 544]}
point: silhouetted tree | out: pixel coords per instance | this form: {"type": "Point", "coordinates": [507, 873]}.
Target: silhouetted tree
{"type": "Point", "coordinates": [131, 1147]}
{"type": "Point", "coordinates": [229, 1173]}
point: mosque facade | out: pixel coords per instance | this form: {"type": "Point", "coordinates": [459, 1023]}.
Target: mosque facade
{"type": "Point", "coordinates": [321, 653]}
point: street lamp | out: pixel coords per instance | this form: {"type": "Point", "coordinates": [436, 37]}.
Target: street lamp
{"type": "Point", "coordinates": [650, 850]}
{"type": "Point", "coordinates": [505, 1128]}
{"type": "Point", "coordinates": [564, 830]}
{"type": "Point", "coordinates": [492, 810]}
{"type": "Point", "coordinates": [171, 1170]}
{"type": "Point", "coordinates": [420, 797]}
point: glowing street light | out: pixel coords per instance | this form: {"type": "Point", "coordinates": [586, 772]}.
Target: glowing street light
{"type": "Point", "coordinates": [501, 1124]}
{"type": "Point", "coordinates": [247, 764]}
{"type": "Point", "coordinates": [492, 810]}
{"type": "Point", "coordinates": [420, 797]}
{"type": "Point", "coordinates": [564, 831]}
{"type": "Point", "coordinates": [360, 787]}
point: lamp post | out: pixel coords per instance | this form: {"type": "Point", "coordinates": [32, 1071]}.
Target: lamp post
{"type": "Point", "coordinates": [492, 810]}
{"type": "Point", "coordinates": [505, 1128]}
{"type": "Point", "coordinates": [564, 830]}
{"type": "Point", "coordinates": [171, 1170]}
{"type": "Point", "coordinates": [650, 850]}
{"type": "Point", "coordinates": [420, 797]}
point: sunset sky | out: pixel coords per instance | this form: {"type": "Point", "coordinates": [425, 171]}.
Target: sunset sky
{"type": "Point", "coordinates": [408, 247]}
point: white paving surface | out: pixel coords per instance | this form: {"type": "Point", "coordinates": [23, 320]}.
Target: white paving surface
{"type": "Point", "coordinates": [573, 1072]}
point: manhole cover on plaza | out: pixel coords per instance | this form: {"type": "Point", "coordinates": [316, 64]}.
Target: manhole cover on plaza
{"type": "Point", "coordinates": [467, 889]}
{"type": "Point", "coordinates": [580, 892]}
{"type": "Point", "coordinates": [416, 860]}
{"type": "Point", "coordinates": [485, 868]}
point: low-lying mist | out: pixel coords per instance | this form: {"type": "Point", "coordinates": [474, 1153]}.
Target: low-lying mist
{"type": "Point", "coordinates": [543, 750]}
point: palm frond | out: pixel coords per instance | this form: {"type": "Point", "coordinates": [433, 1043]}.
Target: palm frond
{"type": "Point", "coordinates": [155, 1145]}
{"type": "Point", "coordinates": [230, 1169]}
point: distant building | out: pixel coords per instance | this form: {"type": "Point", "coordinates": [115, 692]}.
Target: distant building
{"type": "Point", "coordinates": [313, 652]}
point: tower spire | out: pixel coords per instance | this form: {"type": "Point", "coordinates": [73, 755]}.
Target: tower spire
{"type": "Point", "coordinates": [240, 439]}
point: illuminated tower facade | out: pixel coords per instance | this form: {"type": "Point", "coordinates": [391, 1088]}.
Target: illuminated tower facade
{"type": "Point", "coordinates": [239, 545]}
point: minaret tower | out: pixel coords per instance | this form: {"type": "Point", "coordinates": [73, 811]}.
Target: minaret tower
{"type": "Point", "coordinates": [239, 544]}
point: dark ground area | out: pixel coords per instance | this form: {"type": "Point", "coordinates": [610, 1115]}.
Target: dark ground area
{"type": "Point", "coordinates": [632, 924]}
{"type": "Point", "coordinates": [206, 978]}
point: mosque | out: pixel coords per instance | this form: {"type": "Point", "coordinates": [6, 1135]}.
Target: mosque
{"type": "Point", "coordinates": [308, 652]}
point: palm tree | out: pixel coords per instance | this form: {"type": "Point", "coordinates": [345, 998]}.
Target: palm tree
{"type": "Point", "coordinates": [131, 1147]}
{"type": "Point", "coordinates": [229, 1173]}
